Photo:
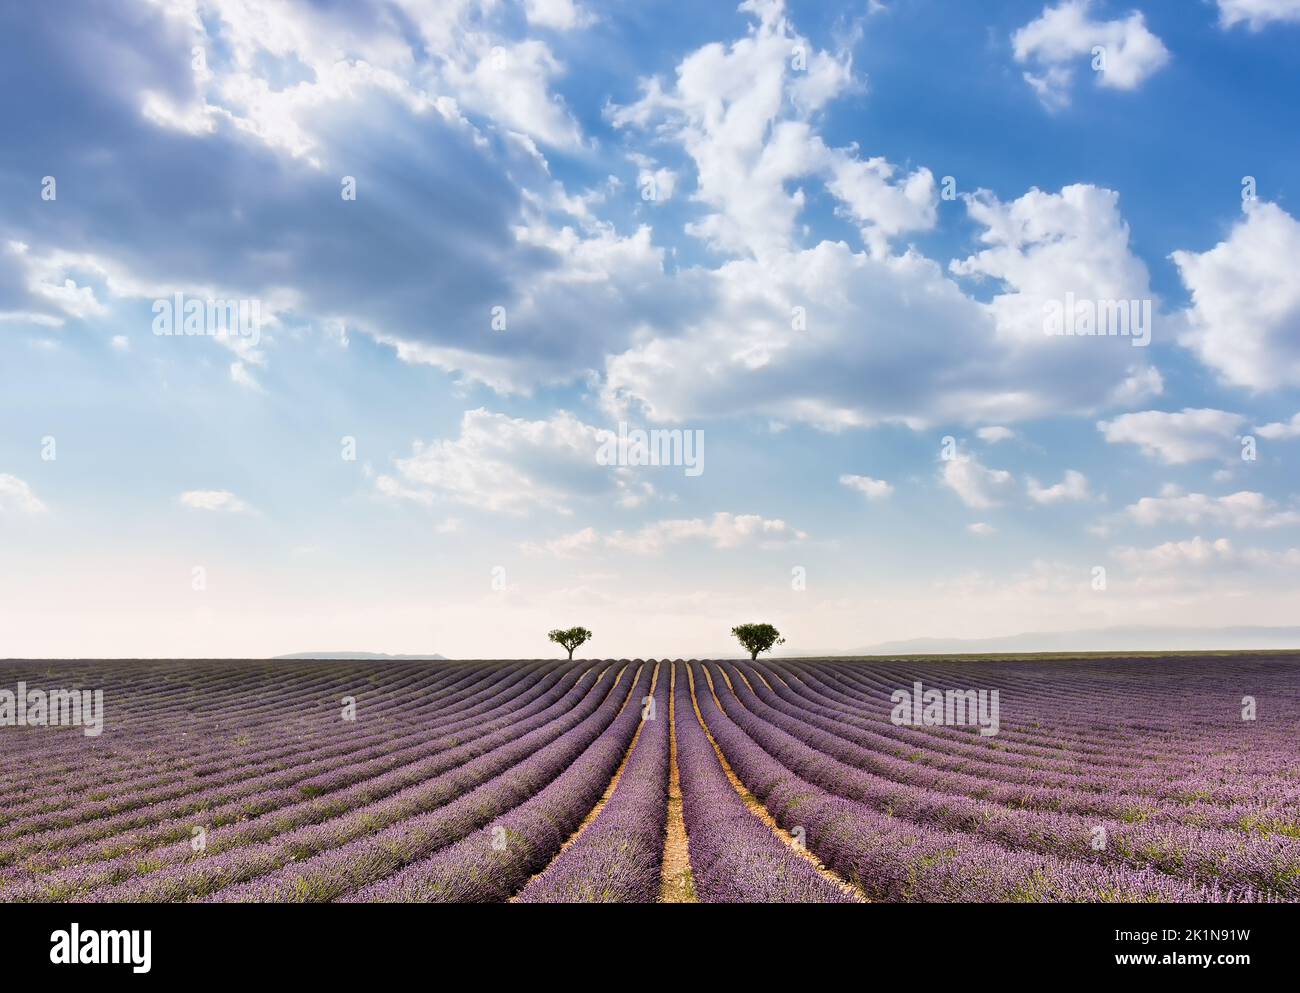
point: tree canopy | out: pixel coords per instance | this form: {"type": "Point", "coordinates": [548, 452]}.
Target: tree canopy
{"type": "Point", "coordinates": [757, 637]}
{"type": "Point", "coordinates": [570, 638]}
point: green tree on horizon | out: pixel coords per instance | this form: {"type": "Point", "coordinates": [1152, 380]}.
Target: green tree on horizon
{"type": "Point", "coordinates": [757, 637]}
{"type": "Point", "coordinates": [570, 638]}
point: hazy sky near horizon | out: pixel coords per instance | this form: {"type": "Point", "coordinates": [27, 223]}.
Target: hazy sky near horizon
{"type": "Point", "coordinates": [479, 235]}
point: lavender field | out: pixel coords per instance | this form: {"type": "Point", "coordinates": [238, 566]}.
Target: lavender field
{"type": "Point", "coordinates": [1103, 780]}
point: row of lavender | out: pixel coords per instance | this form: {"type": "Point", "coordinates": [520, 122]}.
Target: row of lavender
{"type": "Point", "coordinates": [466, 781]}
{"type": "Point", "coordinates": [199, 780]}
{"type": "Point", "coordinates": [216, 720]}
{"type": "Point", "coordinates": [837, 783]}
{"type": "Point", "coordinates": [446, 850]}
{"type": "Point", "coordinates": [1215, 758]}
{"type": "Point", "coordinates": [353, 799]}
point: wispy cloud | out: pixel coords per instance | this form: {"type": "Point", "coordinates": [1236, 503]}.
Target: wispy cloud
{"type": "Point", "coordinates": [217, 501]}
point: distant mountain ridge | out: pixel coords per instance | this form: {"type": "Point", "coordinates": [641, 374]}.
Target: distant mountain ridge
{"type": "Point", "coordinates": [364, 657]}
{"type": "Point", "coordinates": [1116, 639]}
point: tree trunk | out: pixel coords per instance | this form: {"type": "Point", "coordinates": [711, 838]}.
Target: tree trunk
{"type": "Point", "coordinates": [753, 656]}
{"type": "Point", "coordinates": [570, 654]}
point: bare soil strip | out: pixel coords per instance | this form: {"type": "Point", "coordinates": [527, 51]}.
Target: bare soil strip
{"type": "Point", "coordinates": [613, 783]}
{"type": "Point", "coordinates": [677, 884]}
{"type": "Point", "coordinates": [756, 807]}
{"type": "Point", "coordinates": [778, 676]}
{"type": "Point", "coordinates": [760, 676]}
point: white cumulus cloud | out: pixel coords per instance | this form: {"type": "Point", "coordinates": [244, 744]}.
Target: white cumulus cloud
{"type": "Point", "coordinates": [17, 497]}
{"type": "Point", "coordinates": [872, 489]}
{"type": "Point", "coordinates": [219, 501]}
{"type": "Point", "coordinates": [1244, 321]}
{"type": "Point", "coordinates": [723, 531]}
{"type": "Point", "coordinates": [978, 486]}
{"type": "Point", "coordinates": [1177, 554]}
{"type": "Point", "coordinates": [1256, 14]}
{"type": "Point", "coordinates": [562, 15]}
{"type": "Point", "coordinates": [1122, 52]}
{"type": "Point", "coordinates": [1279, 430]}
{"type": "Point", "coordinates": [1073, 487]}
{"type": "Point", "coordinates": [514, 465]}
{"type": "Point", "coordinates": [1244, 509]}
{"type": "Point", "coordinates": [993, 434]}
{"type": "Point", "coordinates": [1177, 438]}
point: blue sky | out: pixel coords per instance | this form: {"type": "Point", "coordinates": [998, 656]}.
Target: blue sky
{"type": "Point", "coordinates": [824, 236]}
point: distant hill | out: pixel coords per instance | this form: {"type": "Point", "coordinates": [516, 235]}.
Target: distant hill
{"type": "Point", "coordinates": [1116, 639]}
{"type": "Point", "coordinates": [365, 657]}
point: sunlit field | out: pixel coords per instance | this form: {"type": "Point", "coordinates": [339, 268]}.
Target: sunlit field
{"type": "Point", "coordinates": [1153, 778]}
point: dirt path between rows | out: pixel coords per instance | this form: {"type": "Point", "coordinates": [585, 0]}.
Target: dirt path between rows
{"type": "Point", "coordinates": [609, 790]}
{"type": "Point", "coordinates": [755, 805]}
{"type": "Point", "coordinates": [677, 884]}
